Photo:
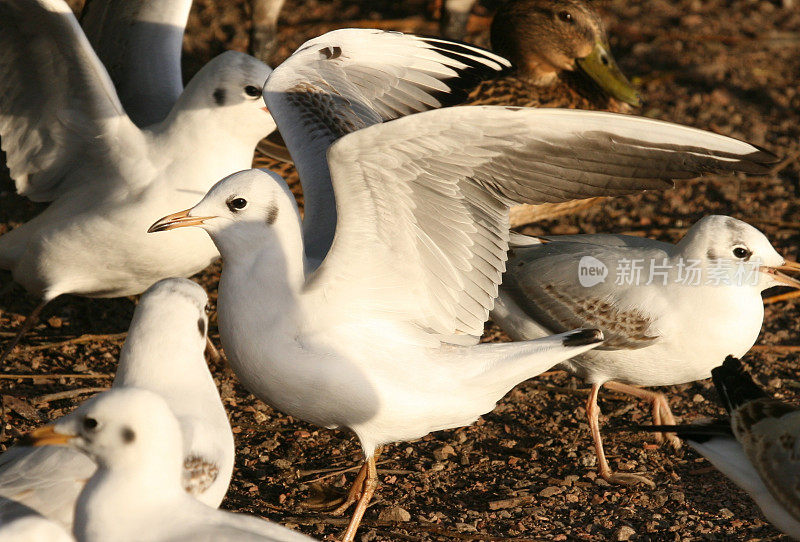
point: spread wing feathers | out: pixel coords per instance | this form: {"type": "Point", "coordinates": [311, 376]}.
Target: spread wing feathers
{"type": "Point", "coordinates": [139, 42]}
{"type": "Point", "coordinates": [544, 281]}
{"type": "Point", "coordinates": [58, 106]}
{"type": "Point", "coordinates": [46, 479]}
{"type": "Point", "coordinates": [349, 79]}
{"type": "Point", "coordinates": [422, 200]}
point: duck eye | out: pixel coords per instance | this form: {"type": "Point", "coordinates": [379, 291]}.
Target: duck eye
{"type": "Point", "coordinates": [565, 16]}
{"type": "Point", "coordinates": [237, 204]}
{"type": "Point", "coordinates": [90, 424]}
{"type": "Point", "coordinates": [741, 252]}
{"type": "Point", "coordinates": [253, 91]}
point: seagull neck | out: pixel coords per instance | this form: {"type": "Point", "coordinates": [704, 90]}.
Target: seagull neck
{"type": "Point", "coordinates": [273, 252]}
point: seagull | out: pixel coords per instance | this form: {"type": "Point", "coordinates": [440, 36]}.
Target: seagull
{"type": "Point", "coordinates": [381, 338]}
{"type": "Point", "coordinates": [137, 491]}
{"type": "Point", "coordinates": [163, 353]}
{"type": "Point", "coordinates": [140, 43]}
{"type": "Point", "coordinates": [107, 180]}
{"type": "Point", "coordinates": [756, 446]}
{"type": "Point", "coordinates": [670, 313]}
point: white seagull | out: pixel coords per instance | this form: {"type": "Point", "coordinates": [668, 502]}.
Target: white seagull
{"type": "Point", "coordinates": [758, 446]}
{"type": "Point", "coordinates": [670, 313]}
{"type": "Point", "coordinates": [137, 491]}
{"type": "Point", "coordinates": [163, 353]}
{"type": "Point", "coordinates": [381, 337]}
{"type": "Point", "coordinates": [68, 141]}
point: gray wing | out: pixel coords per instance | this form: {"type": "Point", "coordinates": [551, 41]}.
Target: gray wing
{"type": "Point", "coordinates": [423, 200]}
{"type": "Point", "coordinates": [139, 42]}
{"type": "Point", "coordinates": [46, 479]}
{"type": "Point", "coordinates": [544, 281]}
{"type": "Point", "coordinates": [219, 526]}
{"type": "Point", "coordinates": [58, 108]}
{"type": "Point", "coordinates": [348, 79]}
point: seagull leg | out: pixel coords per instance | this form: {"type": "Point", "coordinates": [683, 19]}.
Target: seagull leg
{"type": "Point", "coordinates": [604, 470]}
{"type": "Point", "coordinates": [662, 414]}
{"type": "Point", "coordinates": [368, 488]}
{"type": "Point", "coordinates": [29, 322]}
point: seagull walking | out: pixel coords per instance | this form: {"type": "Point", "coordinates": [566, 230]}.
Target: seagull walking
{"type": "Point", "coordinates": [106, 179]}
{"type": "Point", "coordinates": [756, 446]}
{"type": "Point", "coordinates": [137, 491]}
{"type": "Point", "coordinates": [163, 353]}
{"type": "Point", "coordinates": [381, 337]}
{"type": "Point", "coordinates": [670, 313]}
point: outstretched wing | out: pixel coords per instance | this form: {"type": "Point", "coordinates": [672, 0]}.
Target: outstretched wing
{"type": "Point", "coordinates": [58, 107]}
{"type": "Point", "coordinates": [139, 42]}
{"type": "Point", "coordinates": [349, 79]}
{"type": "Point", "coordinates": [423, 200]}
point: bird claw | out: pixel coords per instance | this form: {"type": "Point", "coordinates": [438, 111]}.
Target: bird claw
{"type": "Point", "coordinates": [628, 479]}
{"type": "Point", "coordinates": [324, 497]}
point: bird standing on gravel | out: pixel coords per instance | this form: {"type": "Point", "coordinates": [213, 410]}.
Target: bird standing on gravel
{"type": "Point", "coordinates": [757, 447]}
{"type": "Point", "coordinates": [163, 353]}
{"type": "Point", "coordinates": [137, 493]}
{"type": "Point", "coordinates": [670, 313]}
{"type": "Point", "coordinates": [385, 347]}
{"type": "Point", "coordinates": [69, 142]}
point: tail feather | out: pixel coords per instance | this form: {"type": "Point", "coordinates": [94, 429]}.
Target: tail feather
{"type": "Point", "coordinates": [734, 384]}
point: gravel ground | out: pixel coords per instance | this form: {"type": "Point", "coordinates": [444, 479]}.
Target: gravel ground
{"type": "Point", "coordinates": [525, 470]}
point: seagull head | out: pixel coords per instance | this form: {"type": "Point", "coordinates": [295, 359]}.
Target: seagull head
{"type": "Point", "coordinates": [239, 210]}
{"type": "Point", "coordinates": [542, 37]}
{"type": "Point", "coordinates": [169, 325]}
{"type": "Point", "coordinates": [120, 428]}
{"type": "Point", "coordinates": [724, 240]}
{"type": "Point", "coordinates": [230, 88]}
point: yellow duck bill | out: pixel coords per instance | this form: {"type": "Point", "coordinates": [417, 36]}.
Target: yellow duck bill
{"type": "Point", "coordinates": [601, 67]}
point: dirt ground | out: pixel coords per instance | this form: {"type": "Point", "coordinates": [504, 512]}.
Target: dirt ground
{"type": "Point", "coordinates": [525, 470]}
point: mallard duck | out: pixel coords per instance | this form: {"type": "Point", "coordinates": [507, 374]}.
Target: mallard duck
{"type": "Point", "coordinates": [562, 58]}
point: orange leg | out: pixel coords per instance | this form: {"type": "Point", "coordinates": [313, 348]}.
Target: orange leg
{"type": "Point", "coordinates": [368, 487]}
{"type": "Point", "coordinates": [662, 414]}
{"type": "Point", "coordinates": [604, 470]}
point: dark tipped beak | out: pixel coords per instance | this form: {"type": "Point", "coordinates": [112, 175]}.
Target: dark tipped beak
{"type": "Point", "coordinates": [177, 220]}
{"type": "Point", "coordinates": [45, 436]}
{"type": "Point", "coordinates": [601, 67]}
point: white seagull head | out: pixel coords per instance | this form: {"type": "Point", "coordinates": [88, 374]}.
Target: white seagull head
{"type": "Point", "coordinates": [120, 429]}
{"type": "Point", "coordinates": [248, 205]}
{"type": "Point", "coordinates": [230, 87]}
{"type": "Point", "coordinates": [723, 240]}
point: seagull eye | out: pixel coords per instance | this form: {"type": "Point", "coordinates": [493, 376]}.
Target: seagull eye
{"type": "Point", "coordinates": [566, 16]}
{"type": "Point", "coordinates": [90, 424]}
{"type": "Point", "coordinates": [253, 91]}
{"type": "Point", "coordinates": [237, 204]}
{"type": "Point", "coordinates": [741, 252]}
{"type": "Point", "coordinates": [208, 308]}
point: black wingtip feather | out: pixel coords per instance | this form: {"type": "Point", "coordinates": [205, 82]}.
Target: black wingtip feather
{"type": "Point", "coordinates": [475, 72]}
{"type": "Point", "coordinates": [584, 337]}
{"type": "Point", "coordinates": [734, 384]}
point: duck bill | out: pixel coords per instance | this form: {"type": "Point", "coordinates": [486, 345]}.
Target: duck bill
{"type": "Point", "coordinates": [177, 220]}
{"type": "Point", "coordinates": [45, 436]}
{"type": "Point", "coordinates": [781, 279]}
{"type": "Point", "coordinates": [601, 67]}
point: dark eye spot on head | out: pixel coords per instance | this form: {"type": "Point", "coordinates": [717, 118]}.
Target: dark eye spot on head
{"type": "Point", "coordinates": [219, 96]}
{"type": "Point", "coordinates": [272, 214]}
{"type": "Point", "coordinates": [710, 254]}
{"type": "Point", "coordinates": [201, 326]}
{"type": "Point", "coordinates": [331, 53]}
{"type": "Point", "coordinates": [236, 204]}
{"type": "Point", "coordinates": [128, 435]}
{"type": "Point", "coordinates": [89, 423]}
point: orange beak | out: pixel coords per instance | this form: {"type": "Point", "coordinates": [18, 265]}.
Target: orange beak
{"type": "Point", "coordinates": [180, 219]}
{"type": "Point", "coordinates": [785, 280]}
{"type": "Point", "coordinates": [45, 436]}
